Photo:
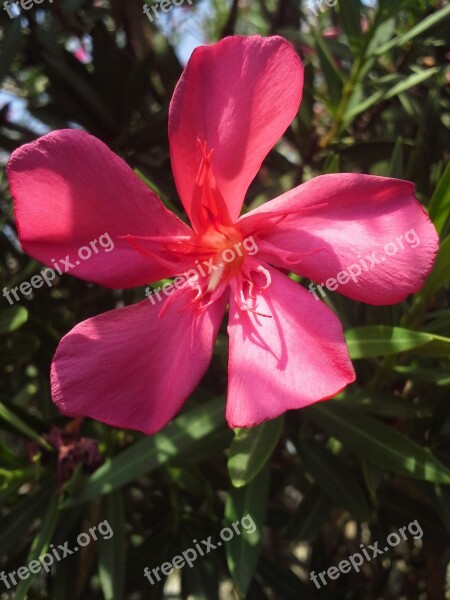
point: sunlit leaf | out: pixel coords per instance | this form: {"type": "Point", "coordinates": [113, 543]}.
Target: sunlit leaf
{"type": "Point", "coordinates": [439, 209]}
{"type": "Point", "coordinates": [381, 340]}
{"type": "Point", "coordinates": [435, 18]}
{"type": "Point", "coordinates": [251, 449]}
{"type": "Point", "coordinates": [372, 440]}
{"type": "Point", "coordinates": [152, 452]}
{"type": "Point", "coordinates": [243, 550]}
{"type": "Point", "coordinates": [12, 318]}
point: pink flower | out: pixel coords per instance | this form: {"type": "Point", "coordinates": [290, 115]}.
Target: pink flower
{"type": "Point", "coordinates": [134, 367]}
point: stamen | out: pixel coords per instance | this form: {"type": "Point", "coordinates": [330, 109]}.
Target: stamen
{"type": "Point", "coordinates": [215, 279]}
{"type": "Point", "coordinates": [208, 207]}
{"type": "Point", "coordinates": [250, 304]}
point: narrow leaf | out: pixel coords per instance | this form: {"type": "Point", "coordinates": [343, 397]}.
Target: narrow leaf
{"type": "Point", "coordinates": [378, 443]}
{"type": "Point", "coordinates": [350, 17]}
{"type": "Point", "coordinates": [332, 74]}
{"type": "Point", "coordinates": [40, 544]}
{"type": "Point", "coordinates": [434, 19]}
{"type": "Point", "coordinates": [389, 92]}
{"type": "Point", "coordinates": [15, 525]}
{"type": "Point", "coordinates": [439, 209]}
{"type": "Point", "coordinates": [14, 421]}
{"type": "Point", "coordinates": [251, 449]}
{"type": "Point", "coordinates": [111, 552]}
{"type": "Point", "coordinates": [440, 275]}
{"type": "Point", "coordinates": [152, 452]}
{"type": "Point", "coordinates": [381, 340]}
{"type": "Point", "coordinates": [12, 318]}
{"type": "Point", "coordinates": [310, 516]}
{"type": "Point", "coordinates": [336, 480]}
{"type": "Point", "coordinates": [243, 550]}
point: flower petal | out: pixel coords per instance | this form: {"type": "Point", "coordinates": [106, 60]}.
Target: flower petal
{"type": "Point", "coordinates": [239, 96]}
{"type": "Point", "coordinates": [69, 189]}
{"type": "Point", "coordinates": [129, 368]}
{"type": "Point", "coordinates": [289, 359]}
{"type": "Point", "coordinates": [369, 231]}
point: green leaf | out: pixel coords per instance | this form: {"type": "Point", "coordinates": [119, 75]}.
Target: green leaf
{"type": "Point", "coordinates": [442, 503]}
{"type": "Point", "coordinates": [378, 443]}
{"type": "Point", "coordinates": [40, 544]}
{"type": "Point", "coordinates": [203, 581]}
{"type": "Point", "coordinates": [251, 449]}
{"type": "Point", "coordinates": [350, 17]}
{"type": "Point", "coordinates": [439, 209]}
{"type": "Point", "coordinates": [397, 168]}
{"type": "Point", "coordinates": [330, 69]}
{"type": "Point", "coordinates": [437, 377]}
{"type": "Point", "coordinates": [15, 525]}
{"type": "Point", "coordinates": [380, 35]}
{"type": "Point", "coordinates": [440, 275]}
{"type": "Point", "coordinates": [164, 199]}
{"type": "Point", "coordinates": [152, 452]}
{"type": "Point", "coordinates": [389, 92]}
{"type": "Point", "coordinates": [68, 75]}
{"type": "Point", "coordinates": [111, 552]}
{"type": "Point", "coordinates": [9, 417]}
{"type": "Point", "coordinates": [388, 405]}
{"type": "Point", "coordinates": [309, 517]}
{"type": "Point", "coordinates": [399, 508]}
{"type": "Point", "coordinates": [381, 340]}
{"type": "Point", "coordinates": [332, 163]}
{"type": "Point", "coordinates": [434, 19]}
{"type": "Point", "coordinates": [438, 346]}
{"type": "Point", "coordinates": [243, 550]}
{"type": "Point", "coordinates": [12, 318]}
{"type": "Point", "coordinates": [10, 459]}
{"type": "Point", "coordinates": [62, 581]}
{"type": "Point", "coordinates": [209, 446]}
{"type": "Point", "coordinates": [284, 583]}
{"type": "Point", "coordinates": [336, 480]}
{"type": "Point", "coordinates": [10, 44]}
{"type": "Point", "coordinates": [439, 321]}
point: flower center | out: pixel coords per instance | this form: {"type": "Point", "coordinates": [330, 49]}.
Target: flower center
{"type": "Point", "coordinates": [225, 250]}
